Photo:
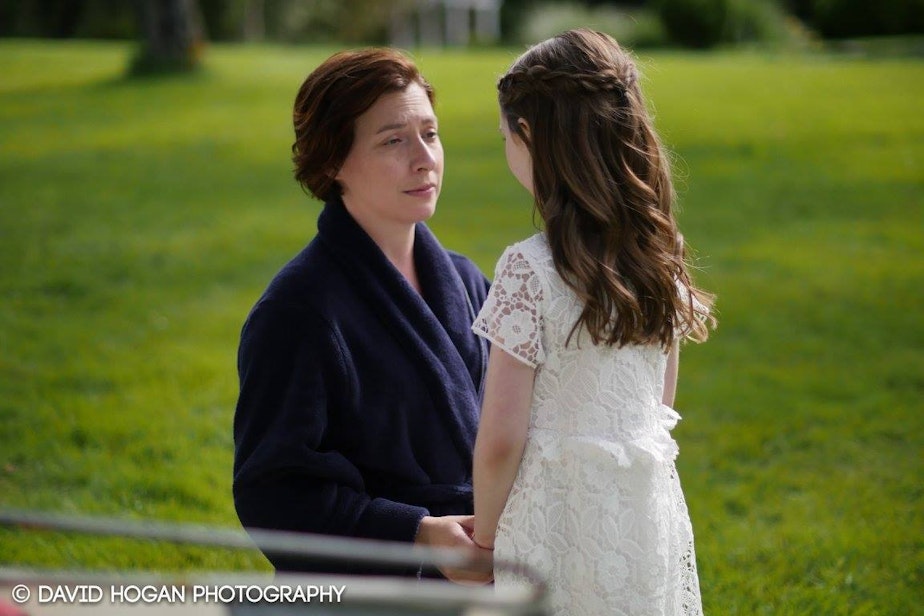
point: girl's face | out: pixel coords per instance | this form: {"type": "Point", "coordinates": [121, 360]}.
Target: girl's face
{"type": "Point", "coordinates": [518, 158]}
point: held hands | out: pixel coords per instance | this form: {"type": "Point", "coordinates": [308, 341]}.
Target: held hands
{"type": "Point", "coordinates": [455, 531]}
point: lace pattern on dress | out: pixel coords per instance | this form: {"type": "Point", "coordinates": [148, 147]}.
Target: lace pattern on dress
{"type": "Point", "coordinates": [511, 315]}
{"type": "Point", "coordinates": [596, 508]}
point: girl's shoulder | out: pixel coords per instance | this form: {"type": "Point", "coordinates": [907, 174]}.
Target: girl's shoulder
{"type": "Point", "coordinates": [534, 249]}
{"type": "Point", "coordinates": [529, 255]}
{"type": "Point", "coordinates": [528, 263]}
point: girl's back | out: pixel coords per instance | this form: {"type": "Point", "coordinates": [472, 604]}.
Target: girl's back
{"type": "Point", "coordinates": [596, 505]}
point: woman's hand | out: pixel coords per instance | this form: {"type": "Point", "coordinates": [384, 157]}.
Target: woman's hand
{"type": "Point", "coordinates": [455, 531]}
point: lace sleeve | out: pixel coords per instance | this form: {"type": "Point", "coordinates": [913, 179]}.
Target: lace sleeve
{"type": "Point", "coordinates": [511, 316]}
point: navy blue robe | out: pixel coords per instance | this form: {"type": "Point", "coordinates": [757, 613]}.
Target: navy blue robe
{"type": "Point", "coordinates": [359, 398]}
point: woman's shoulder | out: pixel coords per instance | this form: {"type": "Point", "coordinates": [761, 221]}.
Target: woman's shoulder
{"type": "Point", "coordinates": [308, 282]}
{"type": "Point", "coordinates": [465, 266]}
{"type": "Point", "coordinates": [471, 275]}
{"type": "Point", "coordinates": [296, 280]}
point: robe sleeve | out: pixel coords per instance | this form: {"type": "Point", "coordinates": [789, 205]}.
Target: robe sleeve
{"type": "Point", "coordinates": [288, 476]}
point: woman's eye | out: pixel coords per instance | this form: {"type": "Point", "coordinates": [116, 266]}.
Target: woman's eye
{"type": "Point", "coordinates": [393, 141]}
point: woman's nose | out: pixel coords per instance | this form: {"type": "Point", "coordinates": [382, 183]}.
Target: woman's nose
{"type": "Point", "coordinates": [425, 156]}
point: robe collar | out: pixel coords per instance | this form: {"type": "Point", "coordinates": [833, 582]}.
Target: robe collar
{"type": "Point", "coordinates": [435, 328]}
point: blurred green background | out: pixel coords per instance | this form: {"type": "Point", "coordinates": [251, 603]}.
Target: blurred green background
{"type": "Point", "coordinates": [141, 217]}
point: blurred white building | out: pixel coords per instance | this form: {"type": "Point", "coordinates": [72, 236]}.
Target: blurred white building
{"type": "Point", "coordinates": [445, 23]}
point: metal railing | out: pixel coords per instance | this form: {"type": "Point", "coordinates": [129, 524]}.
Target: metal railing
{"type": "Point", "coordinates": [261, 594]}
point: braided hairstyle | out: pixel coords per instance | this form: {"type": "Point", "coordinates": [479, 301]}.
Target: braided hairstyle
{"type": "Point", "coordinates": [602, 187]}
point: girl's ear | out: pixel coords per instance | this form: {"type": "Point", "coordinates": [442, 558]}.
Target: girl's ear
{"type": "Point", "coordinates": [524, 126]}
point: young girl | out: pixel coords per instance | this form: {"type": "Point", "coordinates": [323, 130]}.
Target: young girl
{"type": "Point", "coordinates": [574, 463]}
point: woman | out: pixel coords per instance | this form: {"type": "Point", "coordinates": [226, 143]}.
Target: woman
{"type": "Point", "coordinates": [360, 378]}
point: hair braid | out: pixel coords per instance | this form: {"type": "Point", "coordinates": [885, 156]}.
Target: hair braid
{"type": "Point", "coordinates": [602, 186]}
{"type": "Point", "coordinates": [539, 79]}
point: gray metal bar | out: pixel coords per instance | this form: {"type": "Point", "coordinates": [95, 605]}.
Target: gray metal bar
{"type": "Point", "coordinates": [281, 542]}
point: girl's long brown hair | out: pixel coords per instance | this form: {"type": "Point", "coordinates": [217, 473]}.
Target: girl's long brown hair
{"type": "Point", "coordinates": [602, 186]}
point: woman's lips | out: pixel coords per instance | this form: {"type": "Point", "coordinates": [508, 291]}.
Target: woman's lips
{"type": "Point", "coordinates": [421, 191]}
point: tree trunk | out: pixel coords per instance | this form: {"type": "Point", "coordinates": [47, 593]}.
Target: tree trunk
{"type": "Point", "coordinates": [171, 36]}
{"type": "Point", "coordinates": [254, 20]}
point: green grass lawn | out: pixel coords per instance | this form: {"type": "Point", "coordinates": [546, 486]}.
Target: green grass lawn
{"type": "Point", "coordinates": [139, 221]}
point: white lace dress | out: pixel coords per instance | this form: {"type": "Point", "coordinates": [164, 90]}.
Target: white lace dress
{"type": "Point", "coordinates": [596, 508]}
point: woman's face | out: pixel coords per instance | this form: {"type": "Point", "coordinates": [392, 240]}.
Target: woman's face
{"type": "Point", "coordinates": [518, 158]}
{"type": "Point", "coordinates": [392, 176]}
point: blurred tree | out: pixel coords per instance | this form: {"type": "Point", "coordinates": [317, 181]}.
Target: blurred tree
{"type": "Point", "coordinates": [67, 18]}
{"type": "Point", "coordinates": [328, 21]}
{"type": "Point", "coordinates": [235, 20]}
{"type": "Point", "coordinates": [513, 16]}
{"type": "Point", "coordinates": [800, 8]}
{"type": "Point", "coordinates": [45, 18]}
{"type": "Point", "coordinates": [854, 18]}
{"type": "Point", "coordinates": [694, 23]}
{"type": "Point", "coordinates": [851, 18]}
{"type": "Point", "coordinates": [172, 38]}
{"type": "Point", "coordinates": [366, 20]}
{"type": "Point", "coordinates": [254, 20]}
{"type": "Point", "coordinates": [617, 3]}
{"type": "Point", "coordinates": [221, 19]}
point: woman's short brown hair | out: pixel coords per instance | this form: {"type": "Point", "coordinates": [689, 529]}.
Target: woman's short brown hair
{"type": "Point", "coordinates": [330, 100]}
